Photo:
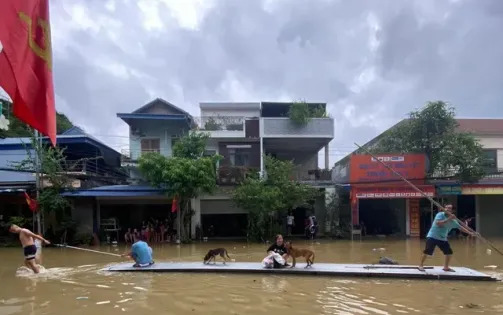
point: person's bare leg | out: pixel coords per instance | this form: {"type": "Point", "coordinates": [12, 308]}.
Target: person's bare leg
{"type": "Point", "coordinates": [447, 262]}
{"type": "Point", "coordinates": [33, 266]}
{"type": "Point", "coordinates": [421, 264]}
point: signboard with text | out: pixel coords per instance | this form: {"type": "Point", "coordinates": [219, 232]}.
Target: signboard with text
{"type": "Point", "coordinates": [365, 169]}
{"type": "Point", "coordinates": [393, 192]}
{"type": "Point", "coordinates": [414, 217]}
{"type": "Point", "coordinates": [482, 190]}
{"type": "Point", "coordinates": [448, 190]}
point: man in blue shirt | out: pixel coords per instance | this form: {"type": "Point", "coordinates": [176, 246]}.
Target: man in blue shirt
{"type": "Point", "coordinates": [141, 253]}
{"type": "Point", "coordinates": [443, 223]}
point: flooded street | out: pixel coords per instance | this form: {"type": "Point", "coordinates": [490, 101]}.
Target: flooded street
{"type": "Point", "coordinates": [73, 284]}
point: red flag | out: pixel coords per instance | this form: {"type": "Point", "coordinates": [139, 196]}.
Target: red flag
{"type": "Point", "coordinates": [32, 203]}
{"type": "Point", "coordinates": [174, 205]}
{"type": "Point", "coordinates": [26, 63]}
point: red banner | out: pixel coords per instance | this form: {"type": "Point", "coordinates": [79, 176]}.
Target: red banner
{"type": "Point", "coordinates": [365, 169]}
{"type": "Point", "coordinates": [414, 217]}
{"type": "Point", "coordinates": [392, 192]}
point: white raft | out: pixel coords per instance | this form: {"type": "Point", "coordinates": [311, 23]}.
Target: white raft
{"type": "Point", "coordinates": [320, 269]}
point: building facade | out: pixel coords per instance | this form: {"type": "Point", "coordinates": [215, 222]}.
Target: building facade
{"type": "Point", "coordinates": [243, 133]}
{"type": "Point", "coordinates": [90, 163]}
{"type": "Point", "coordinates": [413, 215]}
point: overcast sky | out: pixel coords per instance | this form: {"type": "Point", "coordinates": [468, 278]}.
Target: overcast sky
{"type": "Point", "coordinates": [371, 61]}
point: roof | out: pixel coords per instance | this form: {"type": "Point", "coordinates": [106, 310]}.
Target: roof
{"type": "Point", "coordinates": [158, 100]}
{"type": "Point", "coordinates": [481, 126]}
{"type": "Point", "coordinates": [116, 191]}
{"type": "Point", "coordinates": [229, 105]}
{"type": "Point", "coordinates": [74, 135]}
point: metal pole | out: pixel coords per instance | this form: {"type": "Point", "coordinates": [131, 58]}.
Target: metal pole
{"type": "Point", "coordinates": [37, 178]}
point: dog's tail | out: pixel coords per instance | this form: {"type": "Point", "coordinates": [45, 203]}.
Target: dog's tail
{"type": "Point", "coordinates": [227, 254]}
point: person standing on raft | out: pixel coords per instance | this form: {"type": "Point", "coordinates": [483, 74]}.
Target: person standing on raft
{"type": "Point", "coordinates": [443, 223]}
{"type": "Point", "coordinates": [27, 239]}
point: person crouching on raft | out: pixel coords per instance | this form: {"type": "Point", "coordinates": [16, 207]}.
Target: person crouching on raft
{"type": "Point", "coordinates": [443, 223]}
{"type": "Point", "coordinates": [27, 237]}
{"type": "Point", "coordinates": [141, 253]}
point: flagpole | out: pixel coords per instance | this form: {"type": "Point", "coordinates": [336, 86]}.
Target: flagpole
{"type": "Point", "coordinates": [37, 178]}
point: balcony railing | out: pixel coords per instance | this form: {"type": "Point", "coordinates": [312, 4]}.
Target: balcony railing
{"type": "Point", "coordinates": [220, 123]}
{"type": "Point", "coordinates": [284, 127]}
{"type": "Point", "coordinates": [233, 175]}
{"type": "Point", "coordinates": [129, 158]}
{"type": "Point", "coordinates": [313, 175]}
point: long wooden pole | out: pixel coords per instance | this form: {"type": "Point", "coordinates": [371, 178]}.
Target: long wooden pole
{"type": "Point", "coordinates": [429, 198]}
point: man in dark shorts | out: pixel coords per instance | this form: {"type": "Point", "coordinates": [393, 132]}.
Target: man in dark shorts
{"type": "Point", "coordinates": [27, 238]}
{"type": "Point", "coordinates": [443, 223]}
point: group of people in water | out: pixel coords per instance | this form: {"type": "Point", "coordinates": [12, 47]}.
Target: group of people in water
{"type": "Point", "coordinates": [142, 253]}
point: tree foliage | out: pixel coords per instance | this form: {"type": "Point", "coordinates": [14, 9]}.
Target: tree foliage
{"type": "Point", "coordinates": [185, 175]}
{"type": "Point", "coordinates": [432, 131]}
{"type": "Point", "coordinates": [53, 168]}
{"type": "Point", "coordinates": [300, 112]}
{"type": "Point", "coordinates": [19, 129]}
{"type": "Point", "coordinates": [274, 194]}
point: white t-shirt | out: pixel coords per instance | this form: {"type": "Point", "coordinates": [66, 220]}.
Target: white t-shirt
{"type": "Point", "coordinates": [38, 245]}
{"type": "Point", "coordinates": [289, 219]}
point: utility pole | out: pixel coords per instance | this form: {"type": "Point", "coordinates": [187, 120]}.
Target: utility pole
{"type": "Point", "coordinates": [38, 162]}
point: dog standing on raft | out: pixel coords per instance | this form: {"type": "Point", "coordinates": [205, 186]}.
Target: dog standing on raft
{"type": "Point", "coordinates": [213, 253]}
{"type": "Point", "coordinates": [27, 239]}
{"type": "Point", "coordinates": [299, 252]}
{"type": "Point", "coordinates": [443, 223]}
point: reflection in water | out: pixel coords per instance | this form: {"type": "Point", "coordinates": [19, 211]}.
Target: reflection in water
{"type": "Point", "coordinates": [73, 283]}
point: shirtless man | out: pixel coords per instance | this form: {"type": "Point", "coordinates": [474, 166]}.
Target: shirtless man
{"type": "Point", "coordinates": [27, 239]}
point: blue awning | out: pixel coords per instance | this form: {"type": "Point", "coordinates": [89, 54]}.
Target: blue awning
{"type": "Point", "coordinates": [13, 190]}
{"type": "Point", "coordinates": [116, 191]}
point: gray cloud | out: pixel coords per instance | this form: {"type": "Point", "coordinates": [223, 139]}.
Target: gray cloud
{"type": "Point", "coordinates": [372, 61]}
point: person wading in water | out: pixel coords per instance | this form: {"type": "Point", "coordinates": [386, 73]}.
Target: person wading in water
{"type": "Point", "coordinates": [443, 223]}
{"type": "Point", "coordinates": [27, 238]}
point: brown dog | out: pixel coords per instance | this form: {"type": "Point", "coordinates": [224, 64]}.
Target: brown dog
{"type": "Point", "coordinates": [299, 252]}
{"type": "Point", "coordinates": [212, 253]}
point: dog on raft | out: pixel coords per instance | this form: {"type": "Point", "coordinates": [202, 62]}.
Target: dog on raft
{"type": "Point", "coordinates": [213, 253]}
{"type": "Point", "coordinates": [299, 252]}
{"type": "Point", "coordinates": [387, 261]}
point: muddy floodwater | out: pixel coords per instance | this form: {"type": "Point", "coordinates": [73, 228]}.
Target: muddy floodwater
{"type": "Point", "coordinates": [73, 284]}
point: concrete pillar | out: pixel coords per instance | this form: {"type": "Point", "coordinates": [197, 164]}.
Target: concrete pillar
{"type": "Point", "coordinates": [196, 219]}
{"type": "Point", "coordinates": [329, 192]}
{"type": "Point", "coordinates": [477, 214]}
{"type": "Point", "coordinates": [327, 158]}
{"type": "Point", "coordinates": [261, 135]}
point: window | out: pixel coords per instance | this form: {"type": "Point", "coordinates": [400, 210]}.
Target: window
{"type": "Point", "coordinates": [491, 161]}
{"type": "Point", "coordinates": [239, 157]}
{"type": "Point", "coordinates": [150, 145]}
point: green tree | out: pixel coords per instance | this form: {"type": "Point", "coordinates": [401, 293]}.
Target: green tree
{"type": "Point", "coordinates": [301, 112]}
{"type": "Point", "coordinates": [432, 131]}
{"type": "Point", "coordinates": [19, 129]}
{"type": "Point", "coordinates": [54, 179]}
{"type": "Point", "coordinates": [185, 175]}
{"type": "Point", "coordinates": [273, 195]}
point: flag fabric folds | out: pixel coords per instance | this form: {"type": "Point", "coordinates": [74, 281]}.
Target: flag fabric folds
{"type": "Point", "coordinates": [26, 63]}
{"type": "Point", "coordinates": [32, 203]}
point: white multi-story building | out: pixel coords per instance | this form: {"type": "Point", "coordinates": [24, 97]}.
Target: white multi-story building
{"type": "Point", "coordinates": [242, 133]}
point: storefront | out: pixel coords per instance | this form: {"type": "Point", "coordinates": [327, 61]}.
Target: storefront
{"type": "Point", "coordinates": [488, 208]}
{"type": "Point", "coordinates": [381, 203]}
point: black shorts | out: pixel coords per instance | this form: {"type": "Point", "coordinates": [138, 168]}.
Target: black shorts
{"type": "Point", "coordinates": [432, 243]}
{"type": "Point", "coordinates": [30, 252]}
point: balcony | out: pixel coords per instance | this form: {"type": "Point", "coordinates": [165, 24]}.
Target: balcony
{"type": "Point", "coordinates": [233, 175]}
{"type": "Point", "coordinates": [130, 159]}
{"type": "Point", "coordinates": [317, 176]}
{"type": "Point", "coordinates": [283, 127]}
{"type": "Point", "coordinates": [228, 126]}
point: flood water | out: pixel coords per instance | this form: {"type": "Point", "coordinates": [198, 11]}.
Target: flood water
{"type": "Point", "coordinates": [73, 284]}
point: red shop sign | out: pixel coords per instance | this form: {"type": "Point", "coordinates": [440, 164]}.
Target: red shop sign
{"type": "Point", "coordinates": [393, 192]}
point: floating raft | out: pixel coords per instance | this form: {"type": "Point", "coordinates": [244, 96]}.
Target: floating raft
{"type": "Point", "coordinates": [336, 270]}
